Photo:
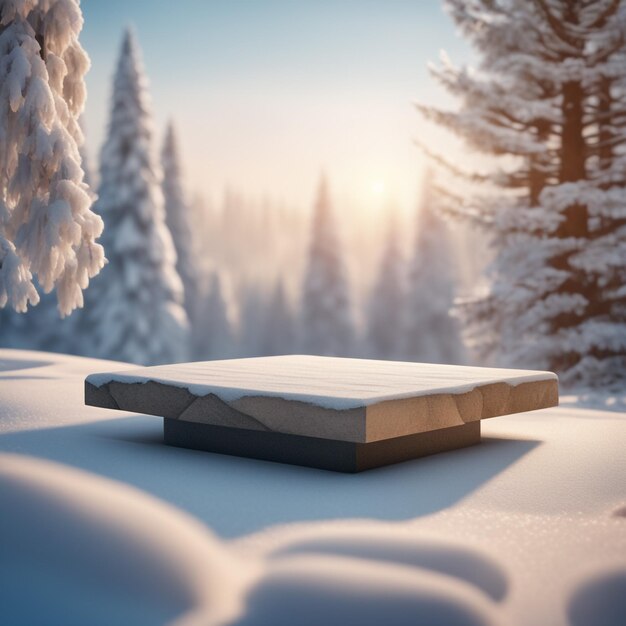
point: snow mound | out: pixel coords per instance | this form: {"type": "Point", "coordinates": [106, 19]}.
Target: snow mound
{"type": "Point", "coordinates": [310, 590]}
{"type": "Point", "coordinates": [122, 556]}
{"type": "Point", "coordinates": [70, 534]}
{"type": "Point", "coordinates": [445, 558]}
{"type": "Point", "coordinates": [600, 600]}
{"type": "Point", "coordinates": [527, 528]}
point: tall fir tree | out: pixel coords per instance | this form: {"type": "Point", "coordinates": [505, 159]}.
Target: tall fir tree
{"type": "Point", "coordinates": [178, 217]}
{"type": "Point", "coordinates": [47, 229]}
{"type": "Point", "coordinates": [134, 308]}
{"type": "Point", "coordinates": [326, 316]}
{"type": "Point", "coordinates": [549, 98]}
{"type": "Point", "coordinates": [432, 334]}
{"type": "Point", "coordinates": [386, 312]}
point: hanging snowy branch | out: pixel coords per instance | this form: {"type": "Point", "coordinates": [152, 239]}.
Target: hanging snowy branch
{"type": "Point", "coordinates": [47, 228]}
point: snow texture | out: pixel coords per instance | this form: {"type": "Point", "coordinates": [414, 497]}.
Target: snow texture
{"type": "Point", "coordinates": [47, 228]}
{"type": "Point", "coordinates": [330, 382]}
{"type": "Point", "coordinates": [134, 309]}
{"type": "Point", "coordinates": [102, 523]}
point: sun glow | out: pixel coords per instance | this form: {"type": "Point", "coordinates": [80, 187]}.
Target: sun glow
{"type": "Point", "coordinates": [378, 187]}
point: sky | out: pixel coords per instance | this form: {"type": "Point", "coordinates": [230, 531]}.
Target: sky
{"type": "Point", "coordinates": [265, 94]}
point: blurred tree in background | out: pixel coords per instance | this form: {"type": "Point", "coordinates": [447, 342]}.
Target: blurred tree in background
{"type": "Point", "coordinates": [134, 309]}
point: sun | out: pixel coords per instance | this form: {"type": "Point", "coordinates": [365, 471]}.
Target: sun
{"type": "Point", "coordinates": [378, 187]}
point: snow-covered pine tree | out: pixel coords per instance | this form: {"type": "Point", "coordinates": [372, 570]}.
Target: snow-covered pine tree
{"type": "Point", "coordinates": [326, 317]}
{"type": "Point", "coordinates": [178, 219]}
{"type": "Point", "coordinates": [279, 329]}
{"type": "Point", "coordinates": [47, 228]}
{"type": "Point", "coordinates": [549, 97]}
{"type": "Point", "coordinates": [386, 312]}
{"type": "Point", "coordinates": [432, 334]}
{"type": "Point", "coordinates": [134, 308]}
{"type": "Point", "coordinates": [215, 339]}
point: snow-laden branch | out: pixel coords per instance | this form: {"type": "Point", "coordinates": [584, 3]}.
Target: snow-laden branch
{"type": "Point", "coordinates": [46, 222]}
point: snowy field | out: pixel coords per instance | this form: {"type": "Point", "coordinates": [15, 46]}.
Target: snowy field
{"type": "Point", "coordinates": [102, 524]}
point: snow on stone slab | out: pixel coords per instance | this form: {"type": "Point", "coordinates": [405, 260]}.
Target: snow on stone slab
{"type": "Point", "coordinates": [334, 398]}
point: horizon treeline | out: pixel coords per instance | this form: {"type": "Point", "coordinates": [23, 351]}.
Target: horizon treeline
{"type": "Point", "coordinates": [185, 281]}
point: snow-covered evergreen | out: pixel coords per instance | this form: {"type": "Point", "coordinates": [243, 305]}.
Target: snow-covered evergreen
{"type": "Point", "coordinates": [549, 97]}
{"type": "Point", "coordinates": [134, 308]}
{"type": "Point", "coordinates": [47, 228]}
{"type": "Point", "coordinates": [214, 338]}
{"type": "Point", "coordinates": [432, 334]}
{"type": "Point", "coordinates": [178, 218]}
{"type": "Point", "coordinates": [386, 312]}
{"type": "Point", "coordinates": [326, 316]}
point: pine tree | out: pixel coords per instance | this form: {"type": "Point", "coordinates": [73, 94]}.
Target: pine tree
{"type": "Point", "coordinates": [214, 340]}
{"type": "Point", "coordinates": [549, 97]}
{"type": "Point", "coordinates": [326, 313]}
{"type": "Point", "coordinates": [387, 300]}
{"type": "Point", "coordinates": [134, 311]}
{"type": "Point", "coordinates": [47, 228]}
{"type": "Point", "coordinates": [432, 333]}
{"type": "Point", "coordinates": [279, 329]}
{"type": "Point", "coordinates": [178, 219]}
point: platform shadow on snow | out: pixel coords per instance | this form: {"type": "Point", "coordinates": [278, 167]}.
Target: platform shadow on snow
{"type": "Point", "coordinates": [236, 496]}
{"type": "Point", "coordinates": [10, 365]}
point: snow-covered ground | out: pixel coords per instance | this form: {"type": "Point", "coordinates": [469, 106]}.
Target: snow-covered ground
{"type": "Point", "coordinates": [102, 524]}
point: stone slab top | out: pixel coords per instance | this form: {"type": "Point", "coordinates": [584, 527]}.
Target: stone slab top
{"type": "Point", "coordinates": [329, 382]}
{"type": "Point", "coordinates": [349, 399]}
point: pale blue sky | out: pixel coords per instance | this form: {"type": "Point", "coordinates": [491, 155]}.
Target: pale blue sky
{"type": "Point", "coordinates": [266, 92]}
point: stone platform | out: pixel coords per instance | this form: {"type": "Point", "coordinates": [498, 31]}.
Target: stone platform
{"type": "Point", "coordinates": [339, 414]}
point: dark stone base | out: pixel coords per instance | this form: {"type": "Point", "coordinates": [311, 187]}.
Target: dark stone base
{"type": "Point", "coordinates": [328, 454]}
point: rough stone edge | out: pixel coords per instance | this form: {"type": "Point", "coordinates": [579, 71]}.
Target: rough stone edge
{"type": "Point", "coordinates": [221, 414]}
{"type": "Point", "coordinates": [396, 418]}
{"type": "Point", "coordinates": [250, 412]}
{"type": "Point", "coordinates": [293, 417]}
{"type": "Point", "coordinates": [385, 420]}
{"type": "Point", "coordinates": [99, 396]}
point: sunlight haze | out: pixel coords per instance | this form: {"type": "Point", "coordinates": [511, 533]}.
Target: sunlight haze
{"type": "Point", "coordinates": [266, 94]}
